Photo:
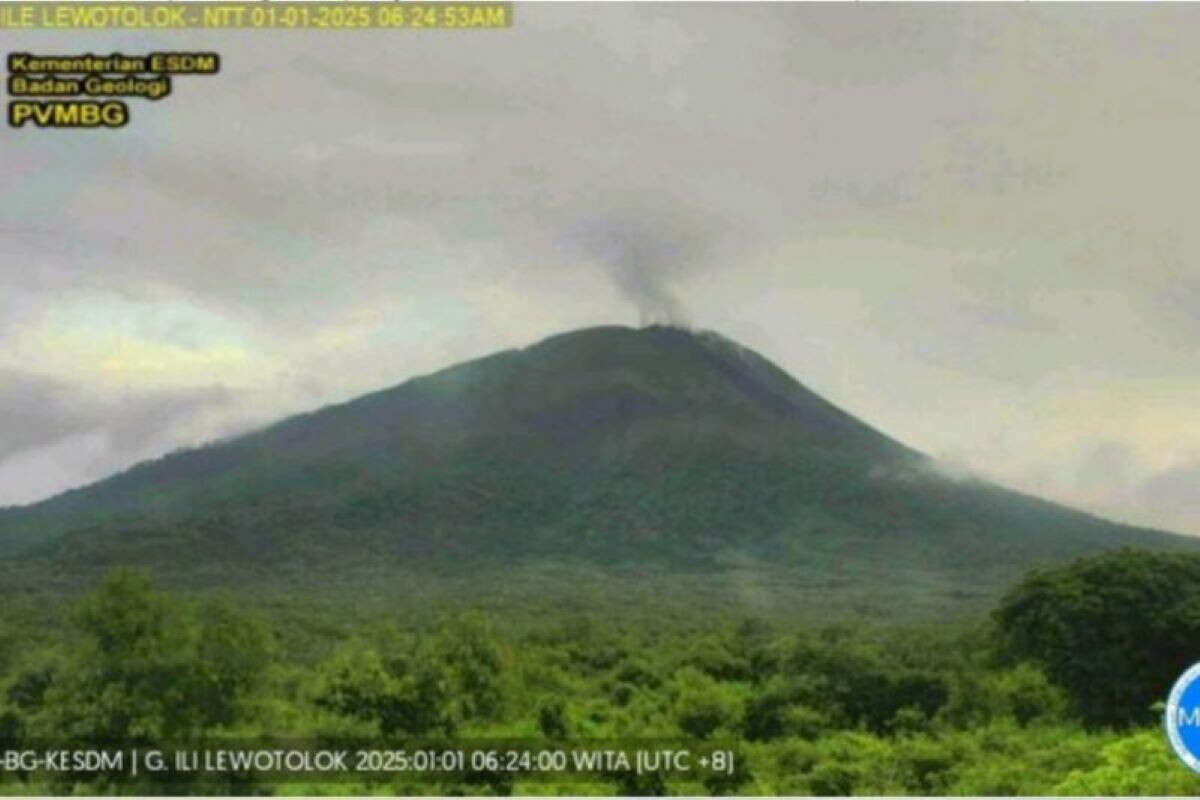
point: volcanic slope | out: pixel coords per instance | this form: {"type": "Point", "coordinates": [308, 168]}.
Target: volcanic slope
{"type": "Point", "coordinates": [654, 452]}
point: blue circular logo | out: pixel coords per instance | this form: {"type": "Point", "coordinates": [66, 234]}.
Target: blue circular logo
{"type": "Point", "coordinates": [1182, 717]}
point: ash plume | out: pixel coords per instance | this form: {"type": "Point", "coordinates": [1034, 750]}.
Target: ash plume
{"type": "Point", "coordinates": [638, 275]}
{"type": "Point", "coordinates": [646, 258]}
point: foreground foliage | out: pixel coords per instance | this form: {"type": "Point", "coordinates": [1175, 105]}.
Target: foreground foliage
{"type": "Point", "coordinates": [1003, 708]}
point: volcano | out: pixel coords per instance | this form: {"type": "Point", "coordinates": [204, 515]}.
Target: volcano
{"type": "Point", "coordinates": [656, 452]}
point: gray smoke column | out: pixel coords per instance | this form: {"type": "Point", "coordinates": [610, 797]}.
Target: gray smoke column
{"type": "Point", "coordinates": [646, 257]}
{"type": "Point", "coordinates": [636, 267]}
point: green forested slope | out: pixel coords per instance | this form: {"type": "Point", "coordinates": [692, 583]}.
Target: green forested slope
{"type": "Point", "coordinates": [652, 451]}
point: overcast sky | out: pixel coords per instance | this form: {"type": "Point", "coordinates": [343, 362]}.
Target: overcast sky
{"type": "Point", "coordinates": [973, 226]}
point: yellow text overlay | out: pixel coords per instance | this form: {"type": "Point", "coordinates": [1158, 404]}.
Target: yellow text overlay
{"type": "Point", "coordinates": [337, 15]}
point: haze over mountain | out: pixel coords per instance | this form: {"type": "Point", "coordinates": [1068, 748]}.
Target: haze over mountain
{"type": "Point", "coordinates": [653, 451]}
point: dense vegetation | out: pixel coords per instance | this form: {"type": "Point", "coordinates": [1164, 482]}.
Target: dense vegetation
{"type": "Point", "coordinates": [1054, 692]}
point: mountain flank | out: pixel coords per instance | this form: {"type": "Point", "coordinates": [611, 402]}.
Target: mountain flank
{"type": "Point", "coordinates": [656, 452]}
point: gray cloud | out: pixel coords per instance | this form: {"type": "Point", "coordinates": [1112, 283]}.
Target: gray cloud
{"type": "Point", "coordinates": [40, 410]}
{"type": "Point", "coordinates": [1175, 491]}
{"type": "Point", "coordinates": [1110, 473]}
{"type": "Point", "coordinates": [34, 412]}
{"type": "Point", "coordinates": [42, 413]}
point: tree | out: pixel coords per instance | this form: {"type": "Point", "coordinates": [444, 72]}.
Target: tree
{"type": "Point", "coordinates": [233, 651]}
{"type": "Point", "coordinates": [146, 669]}
{"type": "Point", "coordinates": [467, 646]}
{"type": "Point", "coordinates": [552, 718]}
{"type": "Point", "coordinates": [781, 708]}
{"type": "Point", "coordinates": [406, 693]}
{"type": "Point", "coordinates": [1139, 764]}
{"type": "Point", "coordinates": [131, 677]}
{"type": "Point", "coordinates": [1113, 630]}
{"type": "Point", "coordinates": [701, 704]}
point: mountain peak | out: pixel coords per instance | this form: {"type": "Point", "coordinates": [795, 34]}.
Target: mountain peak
{"type": "Point", "coordinates": [607, 446]}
